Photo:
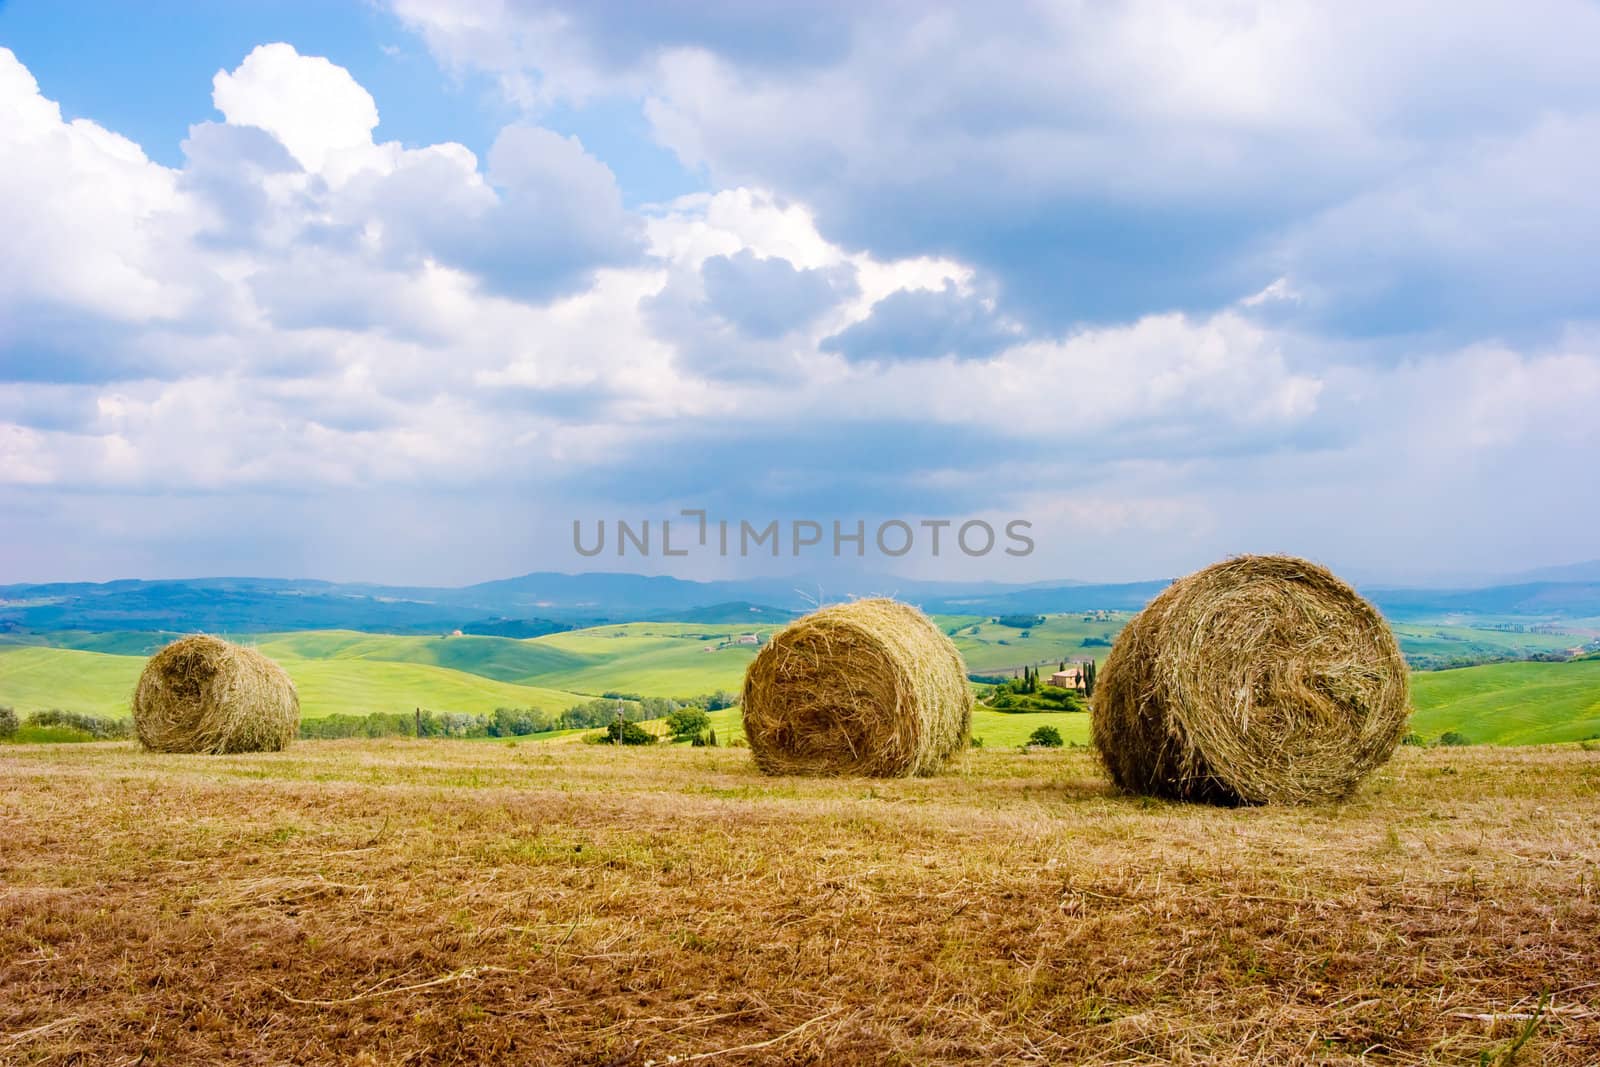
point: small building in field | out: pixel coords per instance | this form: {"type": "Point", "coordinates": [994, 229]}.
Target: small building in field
{"type": "Point", "coordinates": [1071, 678]}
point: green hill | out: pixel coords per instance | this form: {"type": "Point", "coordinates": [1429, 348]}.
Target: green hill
{"type": "Point", "coordinates": [96, 683]}
{"type": "Point", "coordinates": [359, 687]}
{"type": "Point", "coordinates": [990, 647]}
{"type": "Point", "coordinates": [356, 673]}
{"type": "Point", "coordinates": [663, 659]}
{"type": "Point", "coordinates": [1510, 703]}
{"type": "Point", "coordinates": [32, 679]}
{"type": "Point", "coordinates": [503, 659]}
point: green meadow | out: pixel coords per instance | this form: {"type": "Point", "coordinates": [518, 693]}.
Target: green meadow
{"type": "Point", "coordinates": [353, 673]}
{"type": "Point", "coordinates": [98, 683]}
{"type": "Point", "coordinates": [1510, 703]}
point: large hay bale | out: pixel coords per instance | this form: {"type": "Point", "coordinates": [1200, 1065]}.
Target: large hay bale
{"type": "Point", "coordinates": [202, 694]}
{"type": "Point", "coordinates": [1259, 679]}
{"type": "Point", "coordinates": [870, 687]}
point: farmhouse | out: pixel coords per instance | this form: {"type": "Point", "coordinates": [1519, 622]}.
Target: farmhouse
{"type": "Point", "coordinates": [1070, 678]}
{"type": "Point", "coordinates": [734, 642]}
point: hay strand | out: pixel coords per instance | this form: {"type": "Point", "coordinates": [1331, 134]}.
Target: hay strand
{"type": "Point", "coordinates": [202, 694]}
{"type": "Point", "coordinates": [870, 687]}
{"type": "Point", "coordinates": [1259, 679]}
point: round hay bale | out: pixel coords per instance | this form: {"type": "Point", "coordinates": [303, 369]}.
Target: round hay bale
{"type": "Point", "coordinates": [870, 687]}
{"type": "Point", "coordinates": [202, 694]}
{"type": "Point", "coordinates": [1259, 679]}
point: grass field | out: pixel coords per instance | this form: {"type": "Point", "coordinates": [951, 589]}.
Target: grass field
{"type": "Point", "coordinates": [357, 673]}
{"type": "Point", "coordinates": [503, 659]}
{"type": "Point", "coordinates": [1059, 638]}
{"type": "Point", "coordinates": [407, 902]}
{"type": "Point", "coordinates": [1510, 703]}
{"type": "Point", "coordinates": [1428, 643]}
{"type": "Point", "coordinates": [96, 683]}
{"type": "Point", "coordinates": [651, 659]}
{"type": "Point", "coordinates": [32, 679]}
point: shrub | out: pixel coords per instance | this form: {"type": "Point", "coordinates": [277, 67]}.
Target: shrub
{"type": "Point", "coordinates": [623, 732]}
{"type": "Point", "coordinates": [97, 728]}
{"type": "Point", "coordinates": [1046, 737]}
{"type": "Point", "coordinates": [687, 723]}
{"type": "Point", "coordinates": [1452, 739]}
{"type": "Point", "coordinates": [1413, 738]}
{"type": "Point", "coordinates": [8, 723]}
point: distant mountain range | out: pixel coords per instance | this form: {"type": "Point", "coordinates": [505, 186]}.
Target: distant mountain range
{"type": "Point", "coordinates": [1569, 572]}
{"type": "Point", "coordinates": [545, 602]}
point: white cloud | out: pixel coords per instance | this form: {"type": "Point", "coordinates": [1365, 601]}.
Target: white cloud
{"type": "Point", "coordinates": [88, 220]}
{"type": "Point", "coordinates": [315, 108]}
{"type": "Point", "coordinates": [304, 314]}
{"type": "Point", "coordinates": [1105, 161]}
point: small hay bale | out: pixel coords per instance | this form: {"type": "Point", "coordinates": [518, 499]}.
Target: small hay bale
{"type": "Point", "coordinates": [203, 694]}
{"type": "Point", "coordinates": [1259, 679]}
{"type": "Point", "coordinates": [870, 687]}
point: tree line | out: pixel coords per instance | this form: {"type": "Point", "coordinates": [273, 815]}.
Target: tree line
{"type": "Point", "coordinates": [509, 721]}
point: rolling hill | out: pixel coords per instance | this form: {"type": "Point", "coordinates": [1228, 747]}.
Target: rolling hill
{"type": "Point", "coordinates": [1510, 703]}
{"type": "Point", "coordinates": [503, 659]}
{"type": "Point", "coordinates": [542, 603]}
{"type": "Point", "coordinates": [355, 673]}
{"type": "Point", "coordinates": [34, 679]}
{"type": "Point", "coordinates": [652, 659]}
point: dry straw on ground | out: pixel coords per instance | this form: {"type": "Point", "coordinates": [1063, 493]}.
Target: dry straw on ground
{"type": "Point", "coordinates": [202, 694]}
{"type": "Point", "coordinates": [1259, 679]}
{"type": "Point", "coordinates": [870, 687]}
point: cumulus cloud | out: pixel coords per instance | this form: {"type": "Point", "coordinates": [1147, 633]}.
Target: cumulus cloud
{"type": "Point", "coordinates": [926, 324]}
{"type": "Point", "coordinates": [769, 297]}
{"type": "Point", "coordinates": [90, 222]}
{"type": "Point", "coordinates": [313, 107]}
{"type": "Point", "coordinates": [306, 320]}
{"type": "Point", "coordinates": [1108, 161]}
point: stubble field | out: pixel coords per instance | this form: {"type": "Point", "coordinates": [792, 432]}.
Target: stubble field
{"type": "Point", "coordinates": [404, 902]}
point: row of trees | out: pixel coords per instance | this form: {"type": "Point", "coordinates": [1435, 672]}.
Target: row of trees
{"type": "Point", "coordinates": [89, 727]}
{"type": "Point", "coordinates": [513, 721]}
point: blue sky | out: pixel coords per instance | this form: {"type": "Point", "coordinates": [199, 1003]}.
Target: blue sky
{"type": "Point", "coordinates": [396, 291]}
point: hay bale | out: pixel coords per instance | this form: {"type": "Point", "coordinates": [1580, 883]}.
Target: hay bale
{"type": "Point", "coordinates": [202, 694]}
{"type": "Point", "coordinates": [1259, 679]}
{"type": "Point", "coordinates": [870, 687]}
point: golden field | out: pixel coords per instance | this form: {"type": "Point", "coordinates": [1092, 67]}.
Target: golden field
{"type": "Point", "coordinates": [406, 902]}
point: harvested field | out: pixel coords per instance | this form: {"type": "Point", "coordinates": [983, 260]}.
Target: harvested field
{"type": "Point", "coordinates": [403, 902]}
